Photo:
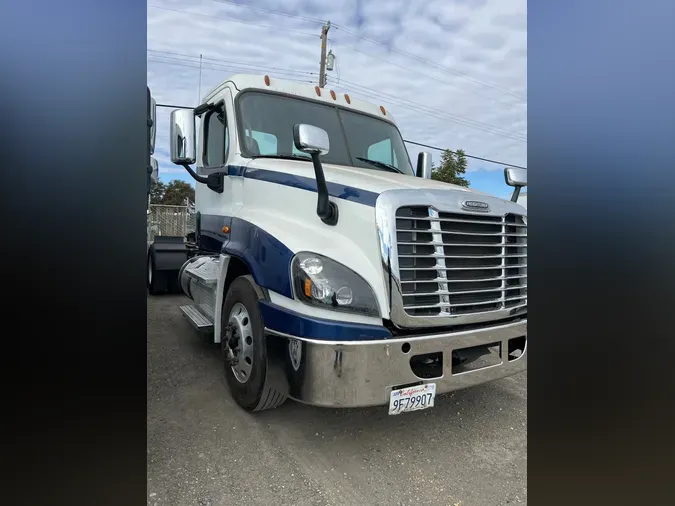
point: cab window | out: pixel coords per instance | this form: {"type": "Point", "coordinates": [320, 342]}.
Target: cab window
{"type": "Point", "coordinates": [216, 139]}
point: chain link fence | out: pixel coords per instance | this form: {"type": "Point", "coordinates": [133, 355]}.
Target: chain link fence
{"type": "Point", "coordinates": [170, 220]}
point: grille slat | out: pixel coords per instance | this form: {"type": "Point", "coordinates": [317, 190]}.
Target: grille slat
{"type": "Point", "coordinates": [499, 267]}
{"type": "Point", "coordinates": [456, 232]}
{"type": "Point", "coordinates": [420, 244]}
{"type": "Point", "coordinates": [460, 264]}
{"type": "Point", "coordinates": [435, 255]}
{"type": "Point", "coordinates": [472, 280]}
{"type": "Point", "coordinates": [451, 220]}
{"type": "Point", "coordinates": [494, 301]}
{"type": "Point", "coordinates": [464, 292]}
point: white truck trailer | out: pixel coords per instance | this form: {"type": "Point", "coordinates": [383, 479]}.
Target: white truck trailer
{"type": "Point", "coordinates": [330, 270]}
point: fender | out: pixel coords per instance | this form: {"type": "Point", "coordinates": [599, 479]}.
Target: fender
{"type": "Point", "coordinates": [170, 252]}
{"type": "Point", "coordinates": [267, 259]}
{"type": "Point", "coordinates": [220, 297]}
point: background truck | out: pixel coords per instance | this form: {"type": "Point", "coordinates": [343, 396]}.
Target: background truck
{"type": "Point", "coordinates": [165, 253]}
{"type": "Point", "coordinates": [327, 267]}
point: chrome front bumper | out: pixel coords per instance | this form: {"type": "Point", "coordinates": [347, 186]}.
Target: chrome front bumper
{"type": "Point", "coordinates": [363, 373]}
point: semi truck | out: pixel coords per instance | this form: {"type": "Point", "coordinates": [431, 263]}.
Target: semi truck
{"type": "Point", "coordinates": [152, 166]}
{"type": "Point", "coordinates": [327, 267]}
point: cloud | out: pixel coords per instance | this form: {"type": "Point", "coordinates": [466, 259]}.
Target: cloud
{"type": "Point", "coordinates": [452, 72]}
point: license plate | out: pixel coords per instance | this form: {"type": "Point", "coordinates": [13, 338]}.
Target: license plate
{"type": "Point", "coordinates": [412, 398]}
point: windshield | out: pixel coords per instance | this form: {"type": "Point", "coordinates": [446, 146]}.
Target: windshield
{"type": "Point", "coordinates": [267, 122]}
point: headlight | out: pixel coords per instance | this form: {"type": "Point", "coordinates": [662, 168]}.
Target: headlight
{"type": "Point", "coordinates": [322, 282]}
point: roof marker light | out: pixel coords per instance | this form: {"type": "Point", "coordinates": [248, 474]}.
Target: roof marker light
{"type": "Point", "coordinates": [267, 80]}
{"type": "Point", "coordinates": [349, 100]}
{"type": "Point", "coordinates": [332, 94]}
{"type": "Point", "coordinates": [318, 90]}
{"type": "Point", "coordinates": [383, 110]}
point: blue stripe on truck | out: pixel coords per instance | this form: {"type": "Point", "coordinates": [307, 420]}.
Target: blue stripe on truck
{"type": "Point", "coordinates": [267, 258]}
{"type": "Point", "coordinates": [336, 190]}
{"type": "Point", "coordinates": [292, 323]}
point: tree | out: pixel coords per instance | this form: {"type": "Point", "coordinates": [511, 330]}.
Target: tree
{"type": "Point", "coordinates": [178, 193]}
{"type": "Point", "coordinates": [452, 168]}
{"type": "Point", "coordinates": [157, 192]}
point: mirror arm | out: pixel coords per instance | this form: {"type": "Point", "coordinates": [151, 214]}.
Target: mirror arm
{"type": "Point", "coordinates": [516, 194]}
{"type": "Point", "coordinates": [201, 109]}
{"type": "Point", "coordinates": [213, 181]}
{"type": "Point", "coordinates": [325, 209]}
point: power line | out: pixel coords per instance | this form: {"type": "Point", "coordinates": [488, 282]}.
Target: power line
{"type": "Point", "coordinates": [233, 20]}
{"type": "Point", "coordinates": [425, 111]}
{"type": "Point", "coordinates": [289, 74]}
{"type": "Point", "coordinates": [452, 117]}
{"type": "Point", "coordinates": [432, 114]}
{"type": "Point", "coordinates": [468, 156]}
{"type": "Point", "coordinates": [170, 106]}
{"type": "Point", "coordinates": [190, 57]}
{"type": "Point", "coordinates": [226, 68]}
{"type": "Point", "coordinates": [433, 78]}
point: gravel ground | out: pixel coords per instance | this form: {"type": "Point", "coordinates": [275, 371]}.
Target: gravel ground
{"type": "Point", "coordinates": [470, 449]}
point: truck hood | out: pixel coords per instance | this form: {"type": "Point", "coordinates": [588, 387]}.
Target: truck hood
{"type": "Point", "coordinates": [372, 180]}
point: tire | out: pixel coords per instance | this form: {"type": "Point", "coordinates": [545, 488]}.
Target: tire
{"type": "Point", "coordinates": [264, 385]}
{"type": "Point", "coordinates": [174, 282]}
{"type": "Point", "coordinates": [157, 280]}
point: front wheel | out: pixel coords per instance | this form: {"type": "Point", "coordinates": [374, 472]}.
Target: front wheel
{"type": "Point", "coordinates": [255, 380]}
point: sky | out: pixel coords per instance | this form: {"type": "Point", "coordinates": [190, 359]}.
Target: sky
{"type": "Point", "coordinates": [453, 73]}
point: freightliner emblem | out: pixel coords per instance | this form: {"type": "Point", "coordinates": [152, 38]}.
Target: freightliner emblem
{"type": "Point", "coordinates": [475, 205]}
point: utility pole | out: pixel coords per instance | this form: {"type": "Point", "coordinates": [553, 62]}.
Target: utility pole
{"type": "Point", "coordinates": [322, 68]}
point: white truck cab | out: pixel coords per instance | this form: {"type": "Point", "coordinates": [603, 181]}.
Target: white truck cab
{"type": "Point", "coordinates": [328, 267]}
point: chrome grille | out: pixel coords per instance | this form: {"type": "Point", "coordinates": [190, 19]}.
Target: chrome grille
{"type": "Point", "coordinates": [460, 264]}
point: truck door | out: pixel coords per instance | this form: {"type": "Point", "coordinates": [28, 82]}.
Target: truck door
{"type": "Point", "coordinates": [215, 210]}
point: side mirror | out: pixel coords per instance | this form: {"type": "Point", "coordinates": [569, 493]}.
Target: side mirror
{"type": "Point", "coordinates": [182, 132]}
{"type": "Point", "coordinates": [153, 126]}
{"type": "Point", "coordinates": [314, 141]}
{"type": "Point", "coordinates": [424, 165]}
{"type": "Point", "coordinates": [154, 175]}
{"type": "Point", "coordinates": [516, 178]}
{"type": "Point", "coordinates": [310, 139]}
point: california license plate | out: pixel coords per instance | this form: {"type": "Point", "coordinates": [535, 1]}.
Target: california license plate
{"type": "Point", "coordinates": [412, 398]}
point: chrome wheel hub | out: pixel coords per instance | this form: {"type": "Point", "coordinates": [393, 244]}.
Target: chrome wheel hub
{"type": "Point", "coordinates": [240, 343]}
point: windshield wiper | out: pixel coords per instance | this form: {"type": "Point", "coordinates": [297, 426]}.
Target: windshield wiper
{"type": "Point", "coordinates": [379, 164]}
{"type": "Point", "coordinates": [284, 157]}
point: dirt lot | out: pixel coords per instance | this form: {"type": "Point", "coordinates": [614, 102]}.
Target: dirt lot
{"type": "Point", "coordinates": [471, 449]}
